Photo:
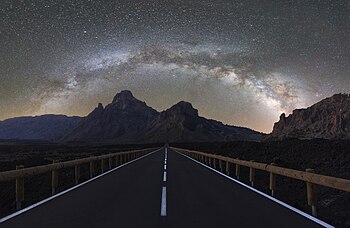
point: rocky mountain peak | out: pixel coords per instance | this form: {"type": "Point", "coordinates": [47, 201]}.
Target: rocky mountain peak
{"type": "Point", "coordinates": [123, 96]}
{"type": "Point", "coordinates": [183, 107]}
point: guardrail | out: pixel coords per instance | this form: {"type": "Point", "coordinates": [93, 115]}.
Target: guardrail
{"type": "Point", "coordinates": [311, 178]}
{"type": "Point", "coordinates": [20, 173]}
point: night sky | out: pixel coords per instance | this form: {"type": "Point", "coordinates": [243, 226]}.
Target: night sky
{"type": "Point", "coordinates": [240, 62]}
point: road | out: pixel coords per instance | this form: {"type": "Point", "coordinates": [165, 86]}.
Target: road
{"type": "Point", "coordinates": [140, 194]}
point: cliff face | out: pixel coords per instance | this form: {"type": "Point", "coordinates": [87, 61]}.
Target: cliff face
{"type": "Point", "coordinates": [328, 119]}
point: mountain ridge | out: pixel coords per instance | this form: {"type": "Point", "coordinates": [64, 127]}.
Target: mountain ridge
{"type": "Point", "coordinates": [133, 120]}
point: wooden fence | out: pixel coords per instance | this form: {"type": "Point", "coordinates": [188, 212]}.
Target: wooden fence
{"type": "Point", "coordinates": [20, 173]}
{"type": "Point", "coordinates": [223, 164]}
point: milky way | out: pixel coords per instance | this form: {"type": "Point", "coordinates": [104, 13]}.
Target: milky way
{"type": "Point", "coordinates": [241, 62]}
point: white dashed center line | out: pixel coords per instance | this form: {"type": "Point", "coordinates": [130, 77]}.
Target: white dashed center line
{"type": "Point", "coordinates": [164, 176]}
{"type": "Point", "coordinates": [163, 203]}
{"type": "Point", "coordinates": [163, 207]}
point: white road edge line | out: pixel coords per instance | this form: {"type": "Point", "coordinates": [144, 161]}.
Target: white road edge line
{"type": "Point", "coordinates": [322, 223]}
{"type": "Point", "coordinates": [163, 204]}
{"type": "Point", "coordinates": [165, 167]}
{"type": "Point", "coordinates": [164, 176]}
{"type": "Point", "coordinates": [68, 190]}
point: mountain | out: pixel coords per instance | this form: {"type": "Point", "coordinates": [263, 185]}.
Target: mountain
{"type": "Point", "coordinates": [181, 123]}
{"type": "Point", "coordinates": [124, 120]}
{"type": "Point", "coordinates": [328, 119]}
{"type": "Point", "coordinates": [128, 120]}
{"type": "Point", "coordinates": [46, 127]}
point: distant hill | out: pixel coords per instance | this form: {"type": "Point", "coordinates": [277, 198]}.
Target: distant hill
{"type": "Point", "coordinates": [46, 127]}
{"type": "Point", "coordinates": [129, 120]}
{"type": "Point", "coordinates": [327, 119]}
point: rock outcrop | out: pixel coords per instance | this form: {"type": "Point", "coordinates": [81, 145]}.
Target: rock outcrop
{"type": "Point", "coordinates": [328, 119]}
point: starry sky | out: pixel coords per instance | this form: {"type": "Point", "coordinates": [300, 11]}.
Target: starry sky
{"type": "Point", "coordinates": [240, 62]}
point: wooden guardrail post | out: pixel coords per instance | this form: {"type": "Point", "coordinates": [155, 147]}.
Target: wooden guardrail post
{"type": "Point", "coordinates": [54, 179]}
{"type": "Point", "coordinates": [238, 171]}
{"type": "Point", "coordinates": [214, 163]}
{"type": "Point", "coordinates": [227, 168]}
{"type": "Point", "coordinates": [77, 173]}
{"type": "Point", "coordinates": [116, 160]}
{"type": "Point", "coordinates": [102, 165]}
{"type": "Point", "coordinates": [110, 163]}
{"type": "Point", "coordinates": [272, 181]}
{"type": "Point", "coordinates": [19, 190]}
{"type": "Point", "coordinates": [92, 168]}
{"type": "Point", "coordinates": [251, 174]}
{"type": "Point", "coordinates": [311, 195]}
{"type": "Point", "coordinates": [221, 166]}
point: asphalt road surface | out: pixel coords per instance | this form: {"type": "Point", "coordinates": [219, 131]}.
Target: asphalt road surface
{"type": "Point", "coordinates": [163, 189]}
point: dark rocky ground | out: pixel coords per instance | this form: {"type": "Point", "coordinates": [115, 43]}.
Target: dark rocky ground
{"type": "Point", "coordinates": [326, 157]}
